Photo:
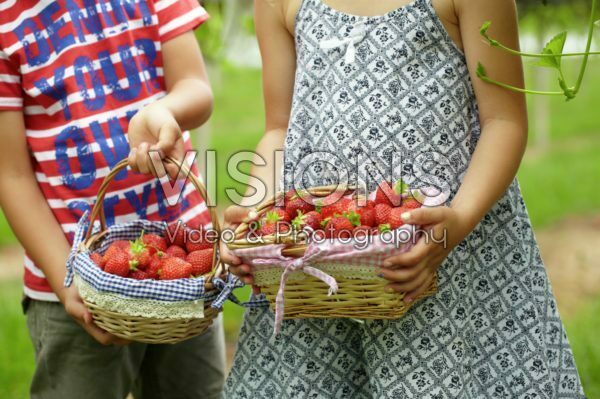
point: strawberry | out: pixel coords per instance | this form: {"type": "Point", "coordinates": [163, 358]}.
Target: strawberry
{"type": "Point", "coordinates": [297, 204]}
{"type": "Point", "coordinates": [97, 259]}
{"type": "Point", "coordinates": [338, 226]}
{"type": "Point", "coordinates": [197, 240]}
{"type": "Point", "coordinates": [176, 251]}
{"type": "Point", "coordinates": [112, 249]}
{"type": "Point", "coordinates": [155, 267]}
{"type": "Point", "coordinates": [175, 268]}
{"type": "Point", "coordinates": [382, 213]}
{"type": "Point", "coordinates": [411, 203]}
{"type": "Point", "coordinates": [361, 215]}
{"type": "Point", "coordinates": [154, 243]}
{"type": "Point", "coordinates": [176, 234]}
{"type": "Point", "coordinates": [138, 253]}
{"type": "Point", "coordinates": [390, 194]}
{"type": "Point", "coordinates": [123, 244]}
{"type": "Point", "coordinates": [395, 219]}
{"type": "Point", "coordinates": [274, 222]}
{"type": "Point", "coordinates": [337, 208]}
{"type": "Point", "coordinates": [117, 262]}
{"type": "Point", "coordinates": [139, 275]}
{"type": "Point", "coordinates": [361, 231]}
{"type": "Point", "coordinates": [201, 261]}
{"type": "Point", "coordinates": [311, 219]}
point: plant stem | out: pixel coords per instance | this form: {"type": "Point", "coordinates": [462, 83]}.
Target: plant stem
{"type": "Point", "coordinates": [587, 48]}
{"type": "Point", "coordinates": [538, 55]}
{"type": "Point", "coordinates": [520, 90]}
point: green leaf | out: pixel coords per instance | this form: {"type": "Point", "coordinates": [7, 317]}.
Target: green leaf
{"type": "Point", "coordinates": [400, 187]}
{"type": "Point", "coordinates": [481, 73]}
{"type": "Point", "coordinates": [483, 32]}
{"type": "Point", "coordinates": [555, 46]}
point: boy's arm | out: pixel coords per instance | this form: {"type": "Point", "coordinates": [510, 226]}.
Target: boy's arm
{"type": "Point", "coordinates": [187, 105]}
{"type": "Point", "coordinates": [33, 222]}
{"type": "Point", "coordinates": [496, 159]}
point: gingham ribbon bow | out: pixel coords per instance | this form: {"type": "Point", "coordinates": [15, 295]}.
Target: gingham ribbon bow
{"type": "Point", "coordinates": [356, 36]}
{"type": "Point", "coordinates": [77, 239]}
{"type": "Point", "coordinates": [226, 290]}
{"type": "Point", "coordinates": [291, 265]}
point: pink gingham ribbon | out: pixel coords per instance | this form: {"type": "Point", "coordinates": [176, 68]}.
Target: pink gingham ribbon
{"type": "Point", "coordinates": [291, 265]}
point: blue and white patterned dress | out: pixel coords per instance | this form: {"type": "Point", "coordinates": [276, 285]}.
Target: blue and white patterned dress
{"type": "Point", "coordinates": [367, 88]}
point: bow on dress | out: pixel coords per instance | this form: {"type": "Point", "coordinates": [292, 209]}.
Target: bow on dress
{"type": "Point", "coordinates": [356, 36]}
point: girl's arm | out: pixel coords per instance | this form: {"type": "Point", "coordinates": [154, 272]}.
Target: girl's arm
{"type": "Point", "coordinates": [498, 154]}
{"type": "Point", "coordinates": [187, 105]}
{"type": "Point", "coordinates": [279, 65]}
{"type": "Point", "coordinates": [34, 224]}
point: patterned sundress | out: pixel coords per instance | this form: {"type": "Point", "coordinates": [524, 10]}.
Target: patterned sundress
{"type": "Point", "coordinates": [392, 92]}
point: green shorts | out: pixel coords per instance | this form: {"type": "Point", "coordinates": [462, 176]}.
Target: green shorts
{"type": "Point", "coordinates": [71, 364]}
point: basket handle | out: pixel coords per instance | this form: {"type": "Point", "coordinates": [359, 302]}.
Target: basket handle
{"type": "Point", "coordinates": [98, 208]}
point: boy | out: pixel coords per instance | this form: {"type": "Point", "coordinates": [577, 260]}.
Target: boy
{"type": "Point", "coordinates": [77, 77]}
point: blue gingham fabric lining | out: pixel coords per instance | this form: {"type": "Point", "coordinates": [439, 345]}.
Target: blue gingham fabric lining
{"type": "Point", "coordinates": [188, 289]}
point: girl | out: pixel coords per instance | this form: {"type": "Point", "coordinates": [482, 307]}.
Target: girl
{"type": "Point", "coordinates": [352, 78]}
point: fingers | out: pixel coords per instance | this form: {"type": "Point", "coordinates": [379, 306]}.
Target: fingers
{"type": "Point", "coordinates": [414, 294]}
{"type": "Point", "coordinates": [228, 257]}
{"type": "Point", "coordinates": [411, 285]}
{"type": "Point", "coordinates": [401, 275]}
{"type": "Point", "coordinates": [426, 216]}
{"type": "Point", "coordinates": [411, 258]}
{"type": "Point", "coordinates": [168, 136]}
{"type": "Point", "coordinates": [236, 214]}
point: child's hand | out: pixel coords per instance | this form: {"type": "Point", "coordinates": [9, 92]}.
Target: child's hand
{"type": "Point", "coordinates": [76, 309]}
{"type": "Point", "coordinates": [234, 215]}
{"type": "Point", "coordinates": [413, 272]}
{"type": "Point", "coordinates": [154, 128]}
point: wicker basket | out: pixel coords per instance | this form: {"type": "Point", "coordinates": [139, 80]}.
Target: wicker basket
{"type": "Point", "coordinates": [139, 328]}
{"type": "Point", "coordinates": [307, 296]}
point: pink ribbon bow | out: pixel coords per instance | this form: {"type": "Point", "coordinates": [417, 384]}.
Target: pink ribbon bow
{"type": "Point", "coordinates": [291, 265]}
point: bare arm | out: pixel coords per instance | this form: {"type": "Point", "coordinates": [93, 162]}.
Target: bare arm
{"type": "Point", "coordinates": [496, 159]}
{"type": "Point", "coordinates": [279, 66]}
{"type": "Point", "coordinates": [34, 223]}
{"type": "Point", "coordinates": [187, 105]}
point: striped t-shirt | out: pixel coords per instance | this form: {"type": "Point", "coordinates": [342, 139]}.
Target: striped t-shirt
{"type": "Point", "coordinates": [79, 70]}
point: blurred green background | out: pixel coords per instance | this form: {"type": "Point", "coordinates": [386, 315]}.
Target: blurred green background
{"type": "Point", "coordinates": [560, 177]}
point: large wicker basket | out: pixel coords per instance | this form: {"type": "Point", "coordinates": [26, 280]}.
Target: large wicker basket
{"type": "Point", "coordinates": [307, 296]}
{"type": "Point", "coordinates": [140, 328]}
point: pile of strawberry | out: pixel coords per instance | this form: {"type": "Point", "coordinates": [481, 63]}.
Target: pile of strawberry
{"type": "Point", "coordinates": [343, 218]}
{"type": "Point", "coordinates": [170, 256]}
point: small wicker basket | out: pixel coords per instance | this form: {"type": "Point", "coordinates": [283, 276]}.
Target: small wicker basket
{"type": "Point", "coordinates": [307, 296]}
{"type": "Point", "coordinates": [147, 329]}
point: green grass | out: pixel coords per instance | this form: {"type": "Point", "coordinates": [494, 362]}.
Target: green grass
{"type": "Point", "coordinates": [16, 355]}
{"type": "Point", "coordinates": [582, 331]}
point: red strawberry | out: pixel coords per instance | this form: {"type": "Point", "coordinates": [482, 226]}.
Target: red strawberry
{"type": "Point", "coordinates": [361, 215]}
{"type": "Point", "coordinates": [139, 255]}
{"type": "Point", "coordinates": [175, 268]}
{"type": "Point", "coordinates": [155, 267]}
{"type": "Point", "coordinates": [175, 234]}
{"type": "Point", "coordinates": [139, 275]}
{"type": "Point", "coordinates": [117, 263]}
{"type": "Point", "coordinates": [112, 249]}
{"type": "Point", "coordinates": [382, 213]}
{"type": "Point", "coordinates": [97, 259]}
{"type": "Point", "coordinates": [390, 194]}
{"type": "Point", "coordinates": [337, 208]}
{"type": "Point", "coordinates": [274, 221]}
{"type": "Point", "coordinates": [395, 219]}
{"type": "Point", "coordinates": [198, 240]}
{"type": "Point", "coordinates": [201, 261]}
{"type": "Point", "coordinates": [338, 226]}
{"type": "Point", "coordinates": [123, 244]}
{"type": "Point", "coordinates": [297, 204]}
{"type": "Point", "coordinates": [361, 231]}
{"type": "Point", "coordinates": [411, 203]}
{"type": "Point", "coordinates": [311, 219]}
{"type": "Point", "coordinates": [154, 243]}
{"type": "Point", "coordinates": [176, 251]}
